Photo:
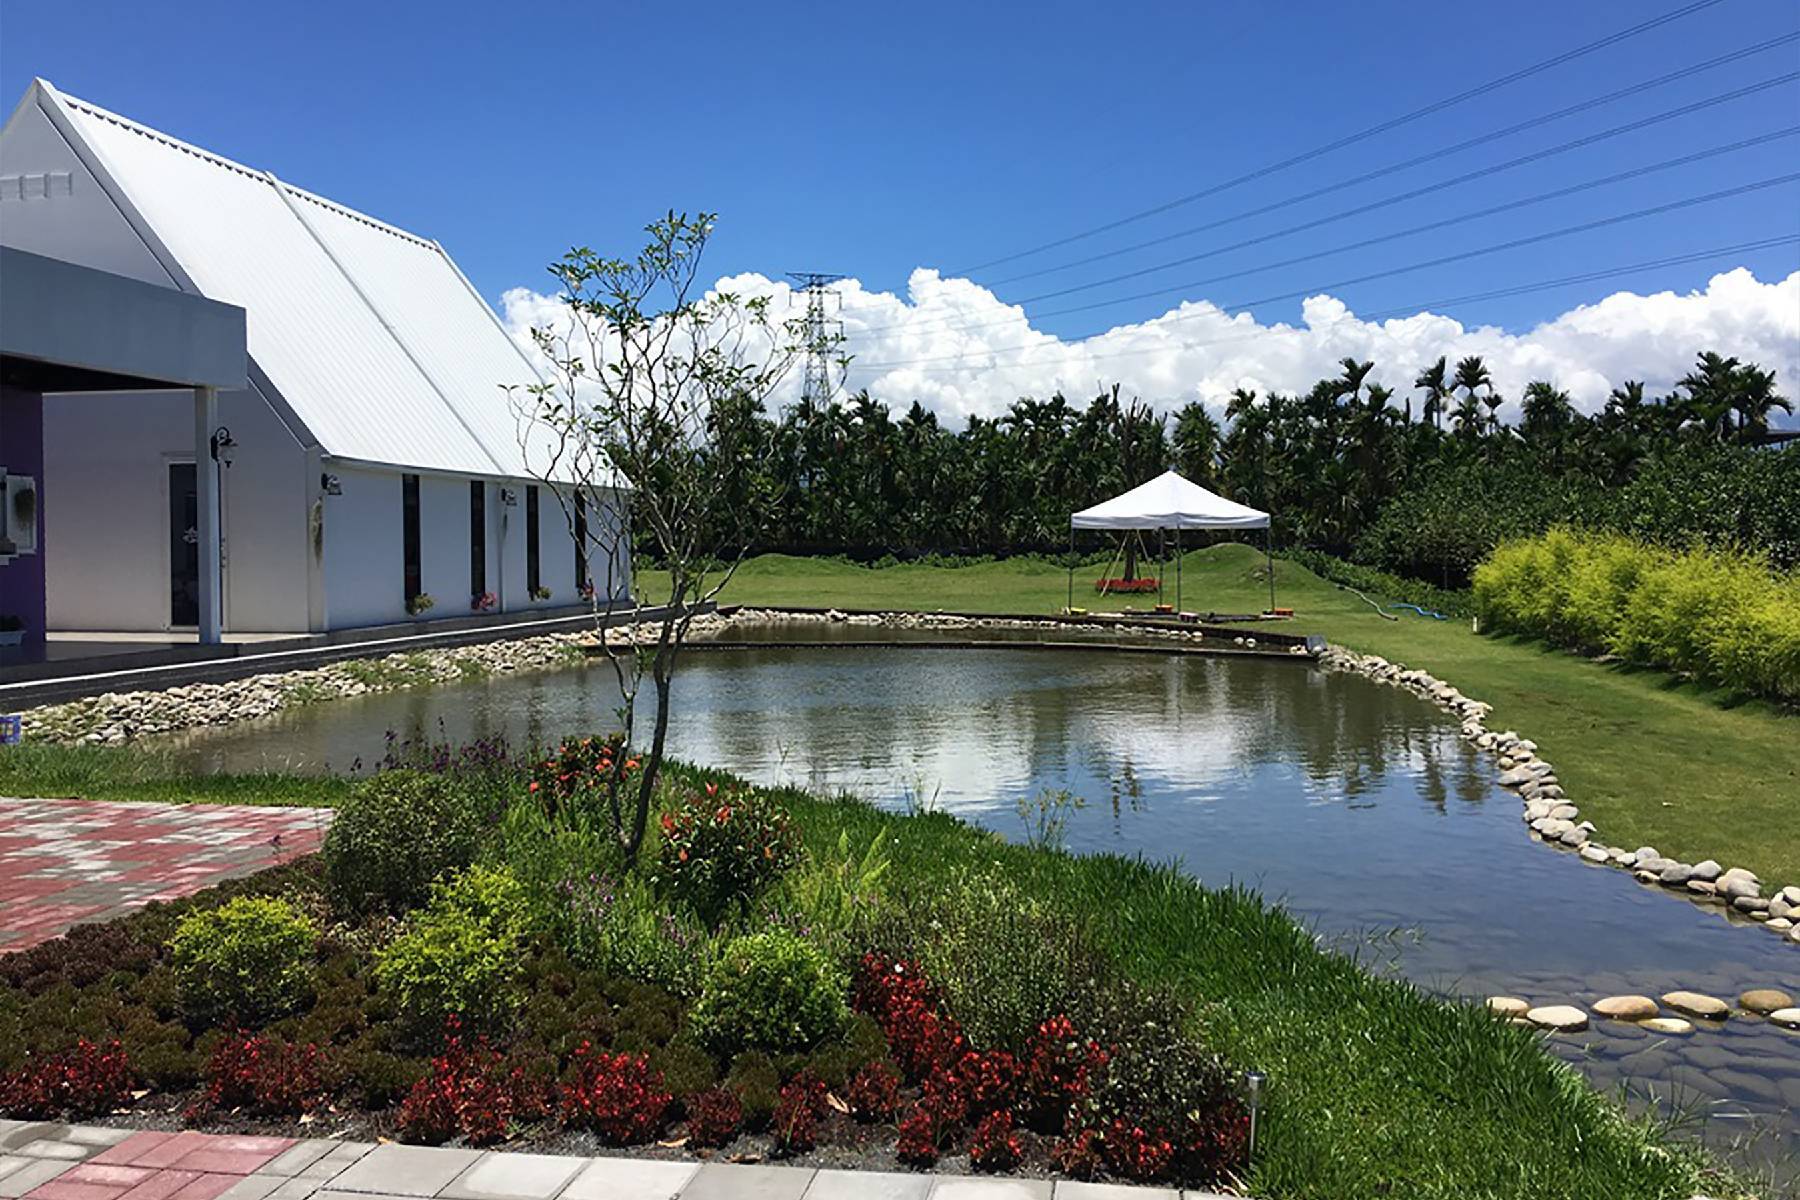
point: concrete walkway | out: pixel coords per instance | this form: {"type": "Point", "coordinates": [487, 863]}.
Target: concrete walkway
{"type": "Point", "coordinates": [64, 862]}
{"type": "Point", "coordinates": [86, 1162]}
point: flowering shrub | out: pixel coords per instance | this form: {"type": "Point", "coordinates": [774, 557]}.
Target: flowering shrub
{"type": "Point", "coordinates": [1080, 1153]}
{"type": "Point", "coordinates": [1137, 1153]}
{"type": "Point", "coordinates": [83, 1082]}
{"type": "Point", "coordinates": [906, 1006]}
{"type": "Point", "coordinates": [577, 776]}
{"type": "Point", "coordinates": [393, 836]}
{"type": "Point", "coordinates": [714, 1117]}
{"type": "Point", "coordinates": [618, 1096]}
{"type": "Point", "coordinates": [483, 602]}
{"type": "Point", "coordinates": [470, 1090]}
{"type": "Point", "coordinates": [719, 851]}
{"type": "Point", "coordinates": [618, 927]}
{"type": "Point", "coordinates": [769, 991]}
{"type": "Point", "coordinates": [796, 1121]}
{"type": "Point", "coordinates": [265, 1076]}
{"type": "Point", "coordinates": [927, 1129]}
{"type": "Point", "coordinates": [995, 1147]}
{"type": "Point", "coordinates": [984, 1079]}
{"type": "Point", "coordinates": [248, 960]}
{"type": "Point", "coordinates": [874, 1093]}
{"type": "Point", "coordinates": [1061, 1068]}
{"type": "Point", "coordinates": [1128, 586]}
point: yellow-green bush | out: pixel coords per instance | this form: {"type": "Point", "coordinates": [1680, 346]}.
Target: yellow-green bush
{"type": "Point", "coordinates": [1719, 615]}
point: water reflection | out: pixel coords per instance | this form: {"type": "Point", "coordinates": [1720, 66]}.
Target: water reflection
{"type": "Point", "coordinates": [1354, 804]}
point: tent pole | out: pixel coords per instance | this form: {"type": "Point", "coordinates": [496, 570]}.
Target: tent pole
{"type": "Point", "coordinates": [1269, 559]}
{"type": "Point", "coordinates": [1178, 570]}
{"type": "Point", "coordinates": [1071, 603]}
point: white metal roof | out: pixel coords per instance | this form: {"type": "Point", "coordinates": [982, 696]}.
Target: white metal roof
{"type": "Point", "coordinates": [371, 335]}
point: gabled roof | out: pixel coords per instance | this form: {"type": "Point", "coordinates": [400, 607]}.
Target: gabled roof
{"type": "Point", "coordinates": [371, 335]}
{"type": "Point", "coordinates": [1169, 502]}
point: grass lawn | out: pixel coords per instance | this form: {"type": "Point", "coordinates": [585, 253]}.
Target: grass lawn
{"type": "Point", "coordinates": [1650, 759]}
{"type": "Point", "coordinates": [49, 771]}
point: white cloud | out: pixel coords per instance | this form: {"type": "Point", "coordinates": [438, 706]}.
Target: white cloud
{"type": "Point", "coordinates": [956, 347]}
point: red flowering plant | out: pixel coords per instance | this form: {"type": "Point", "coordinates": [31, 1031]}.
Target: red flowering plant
{"type": "Point", "coordinates": [721, 848]}
{"type": "Point", "coordinates": [473, 1090]}
{"type": "Point", "coordinates": [795, 1124]}
{"type": "Point", "coordinates": [264, 1075]}
{"type": "Point", "coordinates": [714, 1118]}
{"type": "Point", "coordinates": [85, 1081]}
{"type": "Point", "coordinates": [483, 602]}
{"type": "Point", "coordinates": [579, 776]}
{"type": "Point", "coordinates": [1060, 1071]}
{"type": "Point", "coordinates": [994, 1146]}
{"type": "Point", "coordinates": [924, 1040]}
{"type": "Point", "coordinates": [874, 1092]}
{"type": "Point", "coordinates": [1126, 586]}
{"type": "Point", "coordinates": [618, 1096]}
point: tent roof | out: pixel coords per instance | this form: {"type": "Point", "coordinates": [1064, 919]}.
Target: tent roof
{"type": "Point", "coordinates": [1169, 502]}
{"type": "Point", "coordinates": [370, 335]}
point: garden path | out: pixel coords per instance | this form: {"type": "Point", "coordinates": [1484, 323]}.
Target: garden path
{"type": "Point", "coordinates": [86, 1162]}
{"type": "Point", "coordinates": [64, 862]}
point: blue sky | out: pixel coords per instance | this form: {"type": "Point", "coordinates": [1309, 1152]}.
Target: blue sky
{"type": "Point", "coordinates": [873, 140]}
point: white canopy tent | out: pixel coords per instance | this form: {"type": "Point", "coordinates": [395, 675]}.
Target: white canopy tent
{"type": "Point", "coordinates": [1171, 502]}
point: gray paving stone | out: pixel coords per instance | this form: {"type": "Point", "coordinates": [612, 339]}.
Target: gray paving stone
{"type": "Point", "coordinates": [7, 1126]}
{"type": "Point", "coordinates": [630, 1179]}
{"type": "Point", "coordinates": [358, 1196]}
{"type": "Point", "coordinates": [991, 1189]}
{"type": "Point", "coordinates": [405, 1170]}
{"type": "Point", "coordinates": [1068, 1189]}
{"type": "Point", "coordinates": [296, 1159]}
{"type": "Point", "coordinates": [297, 1188]}
{"type": "Point", "coordinates": [732, 1181]}
{"type": "Point", "coordinates": [503, 1176]}
{"type": "Point", "coordinates": [868, 1185]}
{"type": "Point", "coordinates": [34, 1172]}
{"type": "Point", "coordinates": [337, 1160]}
{"type": "Point", "coordinates": [19, 1133]}
{"type": "Point", "coordinates": [57, 1148]}
{"type": "Point", "coordinates": [253, 1187]}
{"type": "Point", "coordinates": [97, 1136]}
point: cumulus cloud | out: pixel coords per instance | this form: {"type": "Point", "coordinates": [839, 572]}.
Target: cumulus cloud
{"type": "Point", "coordinates": [958, 349]}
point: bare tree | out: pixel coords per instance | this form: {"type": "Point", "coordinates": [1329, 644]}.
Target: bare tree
{"type": "Point", "coordinates": [628, 430]}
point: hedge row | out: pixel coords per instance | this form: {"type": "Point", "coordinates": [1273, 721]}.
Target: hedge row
{"type": "Point", "coordinates": [1719, 615]}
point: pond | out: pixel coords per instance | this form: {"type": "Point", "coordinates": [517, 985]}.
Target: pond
{"type": "Point", "coordinates": [1354, 804]}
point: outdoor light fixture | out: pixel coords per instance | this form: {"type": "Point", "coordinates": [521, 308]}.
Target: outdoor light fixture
{"type": "Point", "coordinates": [508, 497]}
{"type": "Point", "coordinates": [1253, 1084]}
{"type": "Point", "coordinates": [330, 484]}
{"type": "Point", "coordinates": [223, 446]}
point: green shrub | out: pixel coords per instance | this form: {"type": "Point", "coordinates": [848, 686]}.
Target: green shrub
{"type": "Point", "coordinates": [617, 927]}
{"type": "Point", "coordinates": [1721, 616]}
{"type": "Point", "coordinates": [770, 991]}
{"type": "Point", "coordinates": [459, 955]}
{"type": "Point", "coordinates": [246, 962]}
{"type": "Point", "coordinates": [837, 897]}
{"type": "Point", "coordinates": [719, 851]}
{"type": "Point", "coordinates": [757, 1082]}
{"type": "Point", "coordinates": [394, 836]}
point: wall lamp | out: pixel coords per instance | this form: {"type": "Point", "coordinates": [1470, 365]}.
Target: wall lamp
{"type": "Point", "coordinates": [509, 497]}
{"type": "Point", "coordinates": [330, 484]}
{"type": "Point", "coordinates": [224, 446]}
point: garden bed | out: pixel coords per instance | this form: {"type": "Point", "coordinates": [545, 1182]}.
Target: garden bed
{"type": "Point", "coordinates": [788, 977]}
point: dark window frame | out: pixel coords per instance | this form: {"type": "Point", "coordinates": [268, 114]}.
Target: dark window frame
{"type": "Point", "coordinates": [412, 568]}
{"type": "Point", "coordinates": [533, 559]}
{"type": "Point", "coordinates": [581, 541]}
{"type": "Point", "coordinates": [477, 539]}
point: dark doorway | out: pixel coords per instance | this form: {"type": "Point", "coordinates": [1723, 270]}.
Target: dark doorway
{"type": "Point", "coordinates": [184, 545]}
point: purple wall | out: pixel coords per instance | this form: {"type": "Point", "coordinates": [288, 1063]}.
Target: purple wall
{"type": "Point", "coordinates": [22, 453]}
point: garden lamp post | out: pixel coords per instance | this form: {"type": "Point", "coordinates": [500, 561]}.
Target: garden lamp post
{"type": "Point", "coordinates": [1253, 1085]}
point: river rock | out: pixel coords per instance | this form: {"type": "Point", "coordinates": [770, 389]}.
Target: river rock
{"type": "Point", "coordinates": [1574, 838]}
{"type": "Point", "coordinates": [1594, 854]}
{"type": "Point", "coordinates": [1626, 1008]}
{"type": "Point", "coordinates": [1751, 905]}
{"type": "Point", "coordinates": [1765, 1000]}
{"type": "Point", "coordinates": [1694, 1004]}
{"type": "Point", "coordinates": [1514, 777]}
{"type": "Point", "coordinates": [1707, 870]}
{"type": "Point", "coordinates": [1565, 812]}
{"type": "Point", "coordinates": [1507, 1006]}
{"type": "Point", "coordinates": [1701, 887]}
{"type": "Point", "coordinates": [1791, 895]}
{"type": "Point", "coordinates": [1648, 853]}
{"type": "Point", "coordinates": [1779, 905]}
{"type": "Point", "coordinates": [1563, 1018]}
{"type": "Point", "coordinates": [1667, 1025]}
{"type": "Point", "coordinates": [1675, 875]}
{"type": "Point", "coordinates": [1787, 1018]}
{"type": "Point", "coordinates": [1736, 884]}
{"type": "Point", "coordinates": [1780, 924]}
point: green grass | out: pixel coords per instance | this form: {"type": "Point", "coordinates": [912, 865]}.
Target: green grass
{"type": "Point", "coordinates": [1649, 758]}
{"type": "Point", "coordinates": [1376, 1089]}
{"type": "Point", "coordinates": [119, 773]}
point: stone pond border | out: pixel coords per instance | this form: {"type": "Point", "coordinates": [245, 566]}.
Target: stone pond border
{"type": "Point", "coordinates": [115, 718]}
{"type": "Point", "coordinates": [1555, 820]}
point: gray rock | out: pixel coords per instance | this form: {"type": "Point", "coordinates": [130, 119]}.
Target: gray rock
{"type": "Point", "coordinates": [1738, 887]}
{"type": "Point", "coordinates": [1593, 854]}
{"type": "Point", "coordinates": [1565, 812]}
{"type": "Point", "coordinates": [1707, 870]}
{"type": "Point", "coordinates": [1750, 904]}
{"type": "Point", "coordinates": [1575, 836]}
{"type": "Point", "coordinates": [1676, 875]}
{"type": "Point", "coordinates": [1647, 852]}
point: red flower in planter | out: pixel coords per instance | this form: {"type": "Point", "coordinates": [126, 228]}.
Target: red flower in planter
{"type": "Point", "coordinates": [796, 1120]}
{"type": "Point", "coordinates": [266, 1076]}
{"type": "Point", "coordinates": [714, 1117]}
{"type": "Point", "coordinates": [85, 1081]}
{"type": "Point", "coordinates": [874, 1093]}
{"type": "Point", "coordinates": [995, 1147]}
{"type": "Point", "coordinates": [618, 1096]}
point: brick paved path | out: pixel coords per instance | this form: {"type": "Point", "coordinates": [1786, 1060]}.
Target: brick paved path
{"type": "Point", "coordinates": [85, 1162]}
{"type": "Point", "coordinates": [63, 862]}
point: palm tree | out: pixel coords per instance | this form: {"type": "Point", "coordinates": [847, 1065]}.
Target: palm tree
{"type": "Point", "coordinates": [1197, 440]}
{"type": "Point", "coordinates": [1433, 381]}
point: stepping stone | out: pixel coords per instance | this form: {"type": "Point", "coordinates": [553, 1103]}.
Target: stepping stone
{"type": "Point", "coordinates": [1667, 1025]}
{"type": "Point", "coordinates": [1507, 1006]}
{"type": "Point", "coordinates": [1787, 1018]}
{"type": "Point", "coordinates": [1695, 1004]}
{"type": "Point", "coordinates": [1561, 1018]}
{"type": "Point", "coordinates": [1765, 1000]}
{"type": "Point", "coordinates": [1626, 1008]}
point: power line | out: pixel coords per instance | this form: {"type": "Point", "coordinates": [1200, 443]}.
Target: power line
{"type": "Point", "coordinates": [1418, 160]}
{"type": "Point", "coordinates": [1360, 135]}
{"type": "Point", "coordinates": [1442, 260]}
{"type": "Point", "coordinates": [823, 331]}
{"type": "Point", "coordinates": [1331, 218]}
{"type": "Point", "coordinates": [1445, 302]}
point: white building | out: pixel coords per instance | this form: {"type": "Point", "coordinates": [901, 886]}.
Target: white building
{"type": "Point", "coordinates": [373, 457]}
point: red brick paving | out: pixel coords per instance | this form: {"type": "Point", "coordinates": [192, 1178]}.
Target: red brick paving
{"type": "Point", "coordinates": [164, 1166]}
{"type": "Point", "coordinates": [63, 862]}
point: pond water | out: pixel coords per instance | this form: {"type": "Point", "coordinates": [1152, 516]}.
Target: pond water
{"type": "Point", "coordinates": [1355, 805]}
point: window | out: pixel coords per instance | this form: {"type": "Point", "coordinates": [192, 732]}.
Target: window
{"type": "Point", "coordinates": [409, 525]}
{"type": "Point", "coordinates": [531, 540]}
{"type": "Point", "coordinates": [477, 539]}
{"type": "Point", "coordinates": [581, 570]}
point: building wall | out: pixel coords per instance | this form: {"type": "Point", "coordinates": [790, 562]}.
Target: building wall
{"type": "Point", "coordinates": [106, 511]}
{"type": "Point", "coordinates": [22, 453]}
